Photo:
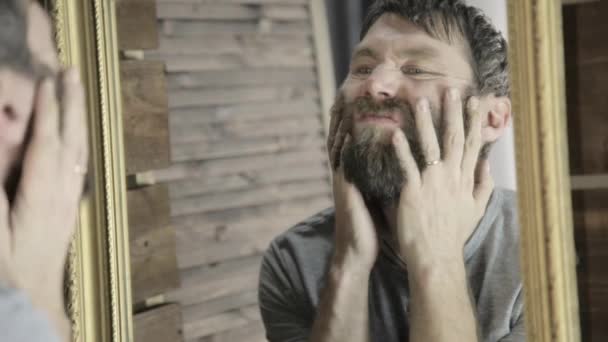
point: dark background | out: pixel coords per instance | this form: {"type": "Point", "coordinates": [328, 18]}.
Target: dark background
{"type": "Point", "coordinates": [345, 18]}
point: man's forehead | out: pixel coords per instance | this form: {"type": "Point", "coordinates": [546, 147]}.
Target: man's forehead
{"type": "Point", "coordinates": [405, 37]}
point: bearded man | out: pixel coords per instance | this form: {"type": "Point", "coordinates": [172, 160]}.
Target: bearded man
{"type": "Point", "coordinates": [420, 245]}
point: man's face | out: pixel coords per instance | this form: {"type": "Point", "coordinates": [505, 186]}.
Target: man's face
{"type": "Point", "coordinates": [396, 64]}
{"type": "Point", "coordinates": [18, 91]}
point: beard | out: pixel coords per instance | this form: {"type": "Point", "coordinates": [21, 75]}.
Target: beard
{"type": "Point", "coordinates": [370, 161]}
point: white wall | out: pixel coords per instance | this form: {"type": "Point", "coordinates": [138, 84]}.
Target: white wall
{"type": "Point", "coordinates": [502, 158]}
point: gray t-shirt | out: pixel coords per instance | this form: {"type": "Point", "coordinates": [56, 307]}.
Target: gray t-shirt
{"type": "Point", "coordinates": [22, 322]}
{"type": "Point", "coordinates": [295, 266]}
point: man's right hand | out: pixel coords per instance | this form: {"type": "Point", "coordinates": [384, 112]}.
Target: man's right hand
{"type": "Point", "coordinates": [356, 240]}
{"type": "Point", "coordinates": [36, 230]}
{"type": "Point", "coordinates": [343, 313]}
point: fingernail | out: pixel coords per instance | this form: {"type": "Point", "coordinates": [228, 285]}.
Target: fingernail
{"type": "Point", "coordinates": [454, 94]}
{"type": "Point", "coordinates": [72, 75]}
{"type": "Point", "coordinates": [423, 105]}
{"type": "Point", "coordinates": [474, 103]}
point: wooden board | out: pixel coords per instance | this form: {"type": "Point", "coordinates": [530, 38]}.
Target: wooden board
{"type": "Point", "coordinates": [200, 11]}
{"type": "Point", "coordinates": [237, 95]}
{"type": "Point", "coordinates": [230, 166]}
{"type": "Point", "coordinates": [252, 332]}
{"type": "Point", "coordinates": [258, 111]}
{"type": "Point", "coordinates": [248, 156]}
{"type": "Point", "coordinates": [587, 84]}
{"type": "Point", "coordinates": [154, 267]}
{"type": "Point", "coordinates": [220, 220]}
{"type": "Point", "coordinates": [586, 57]}
{"type": "Point", "coordinates": [253, 237]}
{"type": "Point", "coordinates": [591, 236]}
{"type": "Point", "coordinates": [224, 322]}
{"type": "Point", "coordinates": [201, 284]}
{"type": "Point", "coordinates": [136, 24]}
{"type": "Point", "coordinates": [293, 76]}
{"type": "Point", "coordinates": [146, 123]}
{"type": "Point", "coordinates": [160, 324]}
{"type": "Point", "coordinates": [242, 2]}
{"type": "Point", "coordinates": [248, 179]}
{"type": "Point", "coordinates": [194, 29]}
{"type": "Point", "coordinates": [196, 312]}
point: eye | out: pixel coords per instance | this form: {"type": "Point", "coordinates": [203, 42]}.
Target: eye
{"type": "Point", "coordinates": [412, 71]}
{"type": "Point", "coordinates": [363, 70]}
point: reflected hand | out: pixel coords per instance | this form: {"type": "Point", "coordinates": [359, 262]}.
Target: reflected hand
{"type": "Point", "coordinates": [442, 204]}
{"type": "Point", "coordinates": [356, 240]}
{"type": "Point", "coordinates": [36, 229]}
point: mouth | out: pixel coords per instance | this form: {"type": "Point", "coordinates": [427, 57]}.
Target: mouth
{"type": "Point", "coordinates": [378, 119]}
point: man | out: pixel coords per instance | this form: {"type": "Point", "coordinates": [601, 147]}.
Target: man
{"type": "Point", "coordinates": [43, 158]}
{"type": "Point", "coordinates": [420, 246]}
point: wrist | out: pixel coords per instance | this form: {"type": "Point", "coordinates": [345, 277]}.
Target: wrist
{"type": "Point", "coordinates": [428, 272]}
{"type": "Point", "coordinates": [350, 265]}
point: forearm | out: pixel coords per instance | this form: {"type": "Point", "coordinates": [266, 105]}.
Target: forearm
{"type": "Point", "coordinates": [343, 314]}
{"type": "Point", "coordinates": [441, 307]}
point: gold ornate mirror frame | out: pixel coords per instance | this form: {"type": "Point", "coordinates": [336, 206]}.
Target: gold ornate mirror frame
{"type": "Point", "coordinates": [99, 290]}
{"type": "Point", "coordinates": [539, 104]}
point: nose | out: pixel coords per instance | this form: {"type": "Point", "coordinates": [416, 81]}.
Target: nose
{"type": "Point", "coordinates": [382, 85]}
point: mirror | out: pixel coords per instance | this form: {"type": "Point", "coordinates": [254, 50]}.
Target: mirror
{"type": "Point", "coordinates": [208, 123]}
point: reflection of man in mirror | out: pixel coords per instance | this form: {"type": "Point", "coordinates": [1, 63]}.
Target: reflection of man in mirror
{"type": "Point", "coordinates": [420, 245]}
{"type": "Point", "coordinates": [43, 157]}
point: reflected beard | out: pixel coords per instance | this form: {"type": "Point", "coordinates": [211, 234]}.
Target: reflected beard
{"type": "Point", "coordinates": [373, 167]}
{"type": "Point", "coordinates": [370, 162]}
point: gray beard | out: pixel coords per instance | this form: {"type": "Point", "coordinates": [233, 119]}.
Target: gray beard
{"type": "Point", "coordinates": [374, 168]}
{"type": "Point", "coordinates": [372, 165]}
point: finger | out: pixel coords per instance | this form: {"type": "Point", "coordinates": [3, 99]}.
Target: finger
{"type": "Point", "coordinates": [335, 154]}
{"type": "Point", "coordinates": [406, 159]}
{"type": "Point", "coordinates": [74, 132]}
{"type": "Point", "coordinates": [5, 233]}
{"type": "Point", "coordinates": [346, 142]}
{"type": "Point", "coordinates": [426, 131]}
{"type": "Point", "coordinates": [334, 123]}
{"type": "Point", "coordinates": [484, 186]}
{"type": "Point", "coordinates": [46, 112]}
{"type": "Point", "coordinates": [73, 107]}
{"type": "Point", "coordinates": [473, 141]}
{"type": "Point", "coordinates": [453, 138]}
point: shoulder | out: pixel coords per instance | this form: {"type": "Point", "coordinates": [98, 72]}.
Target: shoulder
{"type": "Point", "coordinates": [306, 243]}
{"type": "Point", "coordinates": [505, 204]}
{"type": "Point", "coordinates": [294, 266]}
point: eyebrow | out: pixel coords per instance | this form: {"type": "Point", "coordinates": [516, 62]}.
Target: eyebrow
{"type": "Point", "coordinates": [419, 52]}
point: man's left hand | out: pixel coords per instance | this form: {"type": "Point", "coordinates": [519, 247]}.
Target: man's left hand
{"type": "Point", "coordinates": [442, 204]}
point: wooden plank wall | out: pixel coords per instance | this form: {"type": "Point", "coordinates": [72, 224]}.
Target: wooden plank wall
{"type": "Point", "coordinates": [585, 29]}
{"type": "Point", "coordinates": [154, 268]}
{"type": "Point", "coordinates": [247, 149]}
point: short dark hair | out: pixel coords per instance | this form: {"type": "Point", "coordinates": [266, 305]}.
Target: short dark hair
{"type": "Point", "coordinates": [14, 50]}
{"type": "Point", "coordinates": [439, 18]}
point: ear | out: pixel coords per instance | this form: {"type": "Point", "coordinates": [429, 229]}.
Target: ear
{"type": "Point", "coordinates": [498, 117]}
